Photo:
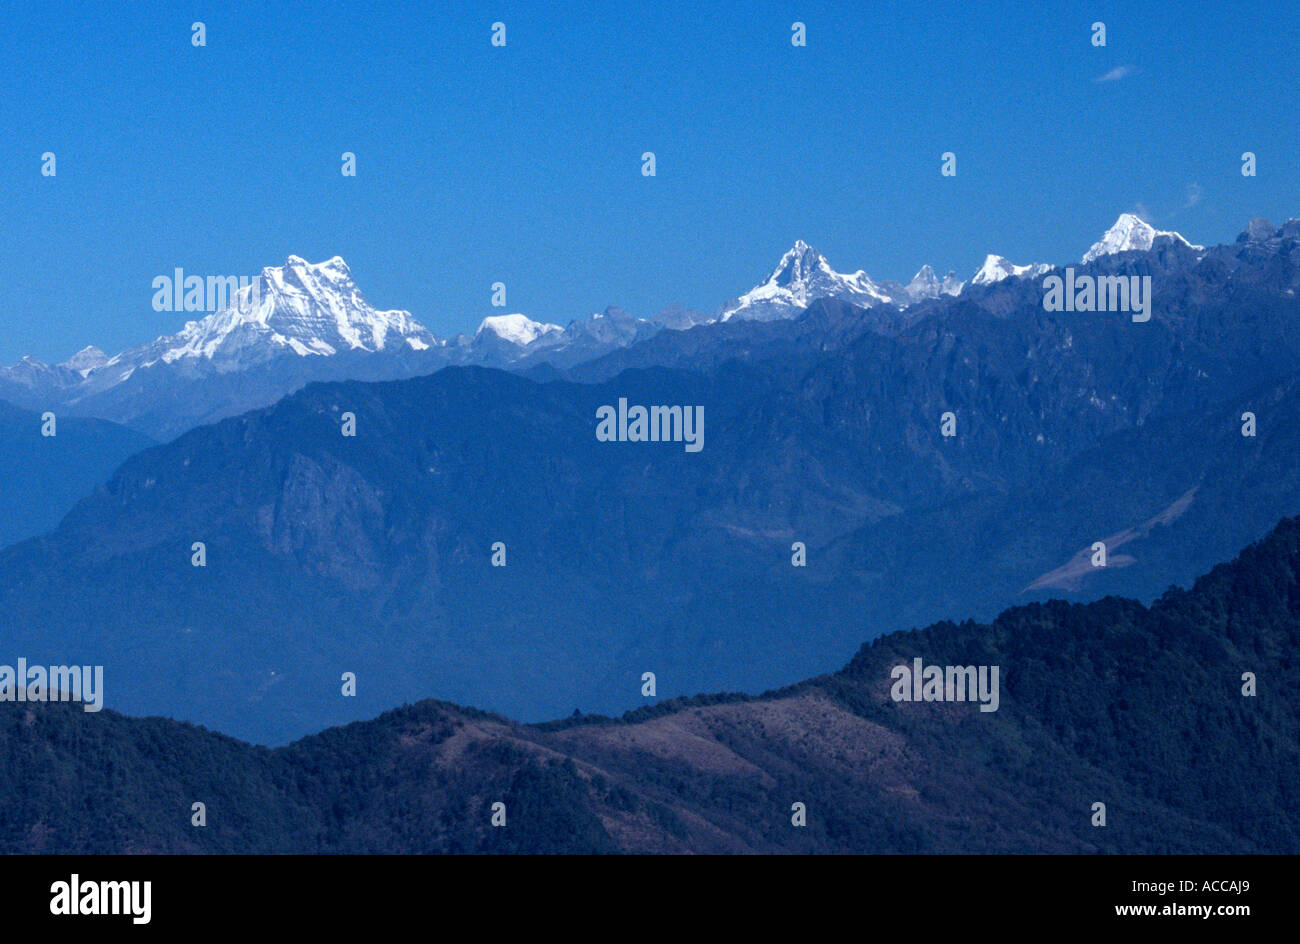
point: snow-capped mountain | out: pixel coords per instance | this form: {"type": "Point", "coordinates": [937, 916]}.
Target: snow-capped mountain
{"type": "Point", "coordinates": [292, 324]}
{"type": "Point", "coordinates": [299, 308]}
{"type": "Point", "coordinates": [517, 329]}
{"type": "Point", "coordinates": [518, 341]}
{"type": "Point", "coordinates": [801, 277]}
{"type": "Point", "coordinates": [87, 359]}
{"type": "Point", "coordinates": [502, 340]}
{"type": "Point", "coordinates": [586, 338]}
{"type": "Point", "coordinates": [925, 284]}
{"type": "Point", "coordinates": [997, 268]}
{"type": "Point", "coordinates": [1131, 233]}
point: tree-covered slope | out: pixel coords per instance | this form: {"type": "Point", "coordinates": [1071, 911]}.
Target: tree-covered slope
{"type": "Point", "coordinates": [1141, 709]}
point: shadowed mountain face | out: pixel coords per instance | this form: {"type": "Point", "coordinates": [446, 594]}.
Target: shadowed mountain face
{"type": "Point", "coordinates": [42, 477]}
{"type": "Point", "coordinates": [1139, 709]}
{"type": "Point", "coordinates": [371, 554]}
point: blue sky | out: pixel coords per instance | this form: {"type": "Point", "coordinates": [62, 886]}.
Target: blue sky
{"type": "Point", "coordinates": [522, 164]}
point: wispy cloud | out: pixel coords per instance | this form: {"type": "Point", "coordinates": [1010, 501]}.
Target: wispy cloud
{"type": "Point", "coordinates": [1115, 74]}
{"type": "Point", "coordinates": [1192, 195]}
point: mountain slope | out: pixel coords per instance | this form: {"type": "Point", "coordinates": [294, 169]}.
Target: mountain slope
{"type": "Point", "coordinates": [42, 477]}
{"type": "Point", "coordinates": [1140, 709]}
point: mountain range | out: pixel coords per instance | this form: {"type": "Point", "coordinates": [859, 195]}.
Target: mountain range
{"type": "Point", "coordinates": [373, 554]}
{"type": "Point", "coordinates": [303, 322]}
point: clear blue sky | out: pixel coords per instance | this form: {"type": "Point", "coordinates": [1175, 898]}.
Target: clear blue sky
{"type": "Point", "coordinates": [522, 164]}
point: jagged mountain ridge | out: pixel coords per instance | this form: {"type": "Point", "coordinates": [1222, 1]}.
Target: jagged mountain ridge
{"type": "Point", "coordinates": [801, 277]}
{"type": "Point", "coordinates": [302, 322]}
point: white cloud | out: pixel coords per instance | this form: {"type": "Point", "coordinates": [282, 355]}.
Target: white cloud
{"type": "Point", "coordinates": [1115, 74]}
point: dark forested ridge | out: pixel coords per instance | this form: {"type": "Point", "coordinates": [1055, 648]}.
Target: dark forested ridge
{"type": "Point", "coordinates": [1139, 708]}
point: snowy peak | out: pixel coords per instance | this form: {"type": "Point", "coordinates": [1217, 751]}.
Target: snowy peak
{"type": "Point", "coordinates": [304, 308]}
{"type": "Point", "coordinates": [801, 277]}
{"type": "Point", "coordinates": [1130, 233]}
{"type": "Point", "coordinates": [925, 284]}
{"type": "Point", "coordinates": [86, 360]}
{"type": "Point", "coordinates": [799, 266]}
{"type": "Point", "coordinates": [997, 268]}
{"type": "Point", "coordinates": [925, 281]}
{"type": "Point", "coordinates": [300, 308]}
{"type": "Point", "coordinates": [516, 329]}
{"type": "Point", "coordinates": [321, 307]}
